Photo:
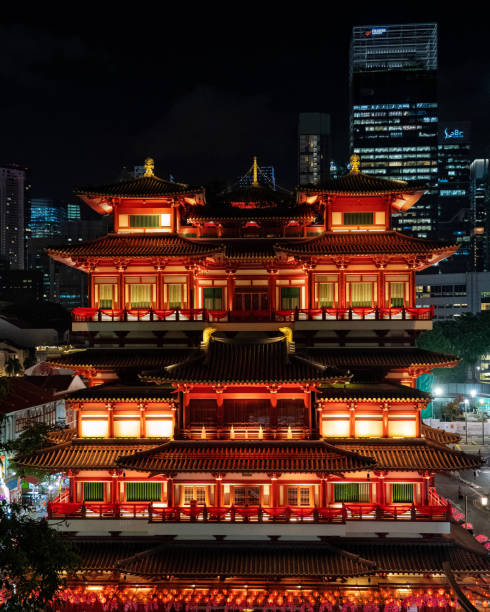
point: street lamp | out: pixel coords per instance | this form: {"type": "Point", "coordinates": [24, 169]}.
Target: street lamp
{"type": "Point", "coordinates": [473, 392]}
{"type": "Point", "coordinates": [438, 391]}
{"type": "Point", "coordinates": [484, 500]}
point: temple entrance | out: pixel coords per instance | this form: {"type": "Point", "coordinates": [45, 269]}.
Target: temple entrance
{"type": "Point", "coordinates": [251, 303]}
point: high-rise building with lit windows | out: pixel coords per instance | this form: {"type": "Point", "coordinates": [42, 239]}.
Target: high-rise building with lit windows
{"type": "Point", "coordinates": [394, 110]}
{"type": "Point", "coordinates": [313, 148]}
{"type": "Point", "coordinates": [456, 220]}
{"type": "Point", "coordinates": [12, 209]}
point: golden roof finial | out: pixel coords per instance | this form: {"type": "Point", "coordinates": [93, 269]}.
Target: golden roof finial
{"type": "Point", "coordinates": [255, 181]}
{"type": "Point", "coordinates": [355, 163]}
{"type": "Point", "coordinates": [149, 166]}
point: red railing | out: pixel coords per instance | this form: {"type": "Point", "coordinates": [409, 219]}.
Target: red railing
{"type": "Point", "coordinates": [245, 514]}
{"type": "Point", "coordinates": [296, 314]}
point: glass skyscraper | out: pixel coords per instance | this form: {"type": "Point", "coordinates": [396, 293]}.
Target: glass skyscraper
{"type": "Point", "coordinates": [313, 148]}
{"type": "Point", "coordinates": [47, 218]}
{"type": "Point", "coordinates": [394, 110]}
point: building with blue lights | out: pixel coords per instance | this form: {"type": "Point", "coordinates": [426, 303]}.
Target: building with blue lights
{"type": "Point", "coordinates": [47, 218]}
{"type": "Point", "coordinates": [454, 214]}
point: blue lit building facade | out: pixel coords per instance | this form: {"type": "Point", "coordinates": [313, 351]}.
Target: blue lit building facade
{"type": "Point", "coordinates": [47, 218]}
{"type": "Point", "coordinates": [456, 219]}
{"type": "Point", "coordinates": [394, 111]}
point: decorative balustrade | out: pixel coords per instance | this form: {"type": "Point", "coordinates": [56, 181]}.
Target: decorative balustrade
{"type": "Point", "coordinates": [296, 314]}
{"type": "Point", "coordinates": [154, 512]}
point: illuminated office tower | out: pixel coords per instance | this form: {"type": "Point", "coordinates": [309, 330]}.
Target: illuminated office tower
{"type": "Point", "coordinates": [12, 207]}
{"type": "Point", "coordinates": [480, 204]}
{"type": "Point", "coordinates": [394, 110]}
{"type": "Point", "coordinates": [456, 220]}
{"type": "Point", "coordinates": [47, 218]}
{"type": "Point", "coordinates": [313, 148]}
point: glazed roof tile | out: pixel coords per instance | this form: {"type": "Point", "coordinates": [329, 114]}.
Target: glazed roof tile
{"type": "Point", "coordinates": [122, 359]}
{"type": "Point", "coordinates": [135, 245]}
{"type": "Point", "coordinates": [255, 559]}
{"type": "Point", "coordinates": [87, 453]}
{"type": "Point", "coordinates": [409, 454]}
{"type": "Point", "coordinates": [389, 358]}
{"type": "Point", "coordinates": [439, 435]}
{"type": "Point", "coordinates": [420, 556]}
{"type": "Point", "coordinates": [358, 183]}
{"type": "Point", "coordinates": [246, 456]}
{"type": "Point", "coordinates": [261, 361]}
{"type": "Point", "coordinates": [143, 187]}
{"type": "Point", "coordinates": [345, 557]}
{"type": "Point", "coordinates": [124, 393]}
{"type": "Point", "coordinates": [377, 391]}
{"type": "Point", "coordinates": [367, 243]}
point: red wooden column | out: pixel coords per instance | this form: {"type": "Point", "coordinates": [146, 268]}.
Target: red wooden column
{"type": "Point", "coordinates": [342, 285]}
{"type": "Point", "coordinates": [218, 498]}
{"type": "Point", "coordinates": [352, 420]}
{"type": "Point", "coordinates": [272, 290]}
{"type": "Point", "coordinates": [170, 492]}
{"type": "Point", "coordinates": [142, 409]}
{"type": "Point", "coordinates": [230, 289]}
{"type": "Point", "coordinates": [274, 498]}
{"type": "Point", "coordinates": [412, 289]}
{"type": "Point", "coordinates": [385, 419]}
{"type": "Point", "coordinates": [381, 287]}
{"type": "Point", "coordinates": [110, 415]}
{"type": "Point", "coordinates": [380, 489]}
{"type": "Point", "coordinates": [323, 489]}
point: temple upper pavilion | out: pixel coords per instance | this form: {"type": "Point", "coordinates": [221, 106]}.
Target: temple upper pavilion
{"type": "Point", "coordinates": [251, 435]}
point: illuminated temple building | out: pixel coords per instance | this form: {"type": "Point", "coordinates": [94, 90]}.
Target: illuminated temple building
{"type": "Point", "coordinates": [251, 437]}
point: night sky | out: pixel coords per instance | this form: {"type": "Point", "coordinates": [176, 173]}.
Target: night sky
{"type": "Point", "coordinates": [85, 94]}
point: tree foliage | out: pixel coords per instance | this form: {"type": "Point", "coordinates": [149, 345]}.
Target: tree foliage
{"type": "Point", "coordinates": [33, 438]}
{"type": "Point", "coordinates": [468, 337]}
{"type": "Point", "coordinates": [33, 557]}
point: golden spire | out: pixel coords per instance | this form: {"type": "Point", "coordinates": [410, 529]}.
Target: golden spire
{"type": "Point", "coordinates": [355, 162]}
{"type": "Point", "coordinates": [255, 181]}
{"type": "Point", "coordinates": [149, 167]}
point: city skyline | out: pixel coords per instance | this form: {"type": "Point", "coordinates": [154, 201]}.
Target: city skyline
{"type": "Point", "coordinates": [103, 103]}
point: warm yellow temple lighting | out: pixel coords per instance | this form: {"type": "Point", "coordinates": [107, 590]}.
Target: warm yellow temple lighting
{"type": "Point", "coordinates": [94, 428]}
{"type": "Point", "coordinates": [232, 433]}
{"type": "Point", "coordinates": [369, 429]}
{"type": "Point", "coordinates": [355, 163]}
{"type": "Point", "coordinates": [127, 429]}
{"type": "Point", "coordinates": [402, 429]}
{"type": "Point", "coordinates": [261, 433]}
{"type": "Point", "coordinates": [288, 332]}
{"type": "Point", "coordinates": [203, 433]}
{"type": "Point", "coordinates": [159, 429]}
{"type": "Point", "coordinates": [206, 334]}
{"type": "Point", "coordinates": [335, 429]}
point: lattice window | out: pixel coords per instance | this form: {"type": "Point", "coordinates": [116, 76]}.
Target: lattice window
{"type": "Point", "coordinates": [246, 496]}
{"type": "Point", "coordinates": [326, 292]}
{"type": "Point", "coordinates": [175, 293]}
{"type": "Point", "coordinates": [299, 496]}
{"type": "Point", "coordinates": [212, 298]}
{"type": "Point", "coordinates": [352, 492]}
{"type": "Point", "coordinates": [361, 295]}
{"type": "Point", "coordinates": [397, 295]}
{"type": "Point", "coordinates": [402, 492]}
{"type": "Point", "coordinates": [195, 493]}
{"type": "Point", "coordinates": [93, 491]}
{"type": "Point", "coordinates": [140, 296]}
{"type": "Point", "coordinates": [290, 298]}
{"type": "Point", "coordinates": [143, 491]}
{"type": "Point", "coordinates": [106, 296]}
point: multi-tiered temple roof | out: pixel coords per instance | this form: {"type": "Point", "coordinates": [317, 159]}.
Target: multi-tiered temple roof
{"type": "Point", "coordinates": [253, 370]}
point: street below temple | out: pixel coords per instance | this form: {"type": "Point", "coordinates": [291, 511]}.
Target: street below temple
{"type": "Point", "coordinates": [472, 485]}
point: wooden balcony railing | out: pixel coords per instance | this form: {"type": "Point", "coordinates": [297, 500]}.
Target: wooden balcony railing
{"type": "Point", "coordinates": [296, 314]}
{"type": "Point", "coordinates": [154, 512]}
